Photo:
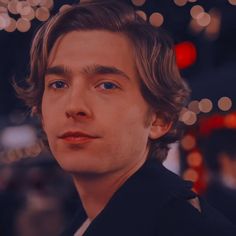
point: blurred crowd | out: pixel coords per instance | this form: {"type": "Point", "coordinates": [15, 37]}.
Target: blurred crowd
{"type": "Point", "coordinates": [36, 198]}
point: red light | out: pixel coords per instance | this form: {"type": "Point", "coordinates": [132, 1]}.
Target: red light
{"type": "Point", "coordinates": [186, 54]}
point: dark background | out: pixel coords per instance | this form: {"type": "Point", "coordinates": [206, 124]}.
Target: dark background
{"type": "Point", "coordinates": [213, 75]}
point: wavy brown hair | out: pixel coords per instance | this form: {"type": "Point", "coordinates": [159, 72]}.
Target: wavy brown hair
{"type": "Point", "coordinates": [160, 81]}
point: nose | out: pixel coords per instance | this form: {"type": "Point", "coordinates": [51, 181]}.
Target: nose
{"type": "Point", "coordinates": [78, 104]}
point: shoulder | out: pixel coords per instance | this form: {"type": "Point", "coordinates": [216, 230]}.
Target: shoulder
{"type": "Point", "coordinates": [181, 211]}
{"type": "Point", "coordinates": [189, 217]}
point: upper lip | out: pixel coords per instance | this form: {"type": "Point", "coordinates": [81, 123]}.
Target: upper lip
{"type": "Point", "coordinates": [76, 134]}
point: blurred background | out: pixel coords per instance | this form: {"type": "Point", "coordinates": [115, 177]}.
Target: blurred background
{"type": "Point", "coordinates": [34, 191]}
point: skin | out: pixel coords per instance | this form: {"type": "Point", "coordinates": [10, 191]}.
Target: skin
{"type": "Point", "coordinates": [92, 86]}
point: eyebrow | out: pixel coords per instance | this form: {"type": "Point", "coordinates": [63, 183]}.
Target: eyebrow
{"type": "Point", "coordinates": [90, 70]}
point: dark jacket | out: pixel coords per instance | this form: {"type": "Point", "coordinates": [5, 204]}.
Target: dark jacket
{"type": "Point", "coordinates": [154, 202]}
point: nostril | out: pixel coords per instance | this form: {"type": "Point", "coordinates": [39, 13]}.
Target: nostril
{"type": "Point", "coordinates": [82, 114]}
{"type": "Point", "coordinates": [75, 114]}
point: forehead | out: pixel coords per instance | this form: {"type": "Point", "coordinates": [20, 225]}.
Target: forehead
{"type": "Point", "coordinates": [80, 48]}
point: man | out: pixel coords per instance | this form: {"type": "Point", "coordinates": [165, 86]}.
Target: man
{"type": "Point", "coordinates": [108, 92]}
{"type": "Point", "coordinates": [220, 153]}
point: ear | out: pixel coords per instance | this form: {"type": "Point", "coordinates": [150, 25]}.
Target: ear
{"type": "Point", "coordinates": [158, 127]}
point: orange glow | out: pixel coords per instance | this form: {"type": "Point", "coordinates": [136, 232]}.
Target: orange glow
{"type": "Point", "coordinates": [230, 121]}
{"type": "Point", "coordinates": [188, 142]}
{"type": "Point", "coordinates": [191, 174]}
{"type": "Point", "coordinates": [194, 159]}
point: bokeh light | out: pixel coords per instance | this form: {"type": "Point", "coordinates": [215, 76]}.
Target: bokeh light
{"type": "Point", "coordinates": [225, 103]}
{"type": "Point", "coordinates": [142, 14]}
{"type": "Point", "coordinates": [230, 121]}
{"type": "Point", "coordinates": [180, 3]}
{"type": "Point", "coordinates": [194, 106]}
{"type": "Point", "coordinates": [23, 25]}
{"type": "Point", "coordinates": [195, 27]}
{"type": "Point", "coordinates": [190, 174]}
{"type": "Point", "coordinates": [34, 3]}
{"type": "Point", "coordinates": [205, 105]}
{"type": "Point", "coordinates": [188, 142]}
{"type": "Point", "coordinates": [42, 13]}
{"type": "Point", "coordinates": [4, 21]}
{"type": "Point", "coordinates": [64, 7]}
{"type": "Point", "coordinates": [12, 26]}
{"type": "Point", "coordinates": [138, 2]}
{"type": "Point", "coordinates": [194, 159]}
{"type": "Point", "coordinates": [213, 29]}
{"type": "Point", "coordinates": [203, 19]}
{"type": "Point", "coordinates": [232, 2]}
{"type": "Point", "coordinates": [186, 54]}
{"type": "Point", "coordinates": [188, 117]}
{"type": "Point", "coordinates": [156, 19]}
{"type": "Point", "coordinates": [196, 10]}
{"type": "Point", "coordinates": [46, 3]}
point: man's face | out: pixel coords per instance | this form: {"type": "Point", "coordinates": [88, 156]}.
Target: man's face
{"type": "Point", "coordinates": [92, 92]}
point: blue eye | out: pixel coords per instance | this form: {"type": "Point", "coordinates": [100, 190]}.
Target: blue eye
{"type": "Point", "coordinates": [108, 86]}
{"type": "Point", "coordinates": [57, 84]}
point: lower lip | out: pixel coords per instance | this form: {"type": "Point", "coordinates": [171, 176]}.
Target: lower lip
{"type": "Point", "coordinates": [78, 140]}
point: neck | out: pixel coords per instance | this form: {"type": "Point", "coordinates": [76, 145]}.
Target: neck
{"type": "Point", "coordinates": [96, 190]}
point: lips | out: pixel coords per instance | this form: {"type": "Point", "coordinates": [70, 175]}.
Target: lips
{"type": "Point", "coordinates": [77, 137]}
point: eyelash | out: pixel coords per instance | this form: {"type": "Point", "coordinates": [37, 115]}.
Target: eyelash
{"type": "Point", "coordinates": [55, 82]}
{"type": "Point", "coordinates": [105, 82]}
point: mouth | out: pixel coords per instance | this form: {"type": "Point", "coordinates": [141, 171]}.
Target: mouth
{"type": "Point", "coordinates": [77, 137]}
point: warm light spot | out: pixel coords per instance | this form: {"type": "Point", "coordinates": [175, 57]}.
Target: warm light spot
{"type": "Point", "coordinates": [4, 21]}
{"type": "Point", "coordinates": [156, 19]}
{"type": "Point", "coordinates": [33, 150]}
{"type": "Point", "coordinates": [138, 2]}
{"type": "Point", "coordinates": [196, 10]}
{"type": "Point", "coordinates": [186, 54]}
{"type": "Point", "coordinates": [180, 3]}
{"type": "Point", "coordinates": [12, 26]}
{"type": "Point", "coordinates": [42, 13]}
{"type": "Point", "coordinates": [190, 174]}
{"type": "Point", "coordinates": [142, 14]}
{"type": "Point", "coordinates": [203, 19]}
{"type": "Point", "coordinates": [34, 3]}
{"type": "Point", "coordinates": [212, 30]}
{"type": "Point", "coordinates": [224, 103]}
{"type": "Point", "coordinates": [195, 27]}
{"type": "Point", "coordinates": [183, 110]}
{"type": "Point", "coordinates": [232, 2]}
{"type": "Point", "coordinates": [46, 3]}
{"type": "Point", "coordinates": [188, 142]}
{"type": "Point", "coordinates": [230, 121]}
{"type": "Point", "coordinates": [12, 7]}
{"type": "Point", "coordinates": [30, 15]}
{"type": "Point", "coordinates": [64, 7]}
{"type": "Point", "coordinates": [205, 105]}
{"type": "Point", "coordinates": [23, 25]}
{"type": "Point", "coordinates": [194, 106]}
{"type": "Point", "coordinates": [194, 159]}
{"type": "Point", "coordinates": [189, 118]}
{"type": "Point", "coordinates": [23, 7]}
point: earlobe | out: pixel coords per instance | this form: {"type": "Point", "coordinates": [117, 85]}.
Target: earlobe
{"type": "Point", "coordinates": [159, 128]}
